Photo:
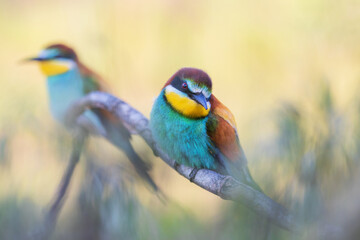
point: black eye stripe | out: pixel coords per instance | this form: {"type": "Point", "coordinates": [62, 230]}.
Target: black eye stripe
{"type": "Point", "coordinates": [65, 56]}
{"type": "Point", "coordinates": [178, 83]}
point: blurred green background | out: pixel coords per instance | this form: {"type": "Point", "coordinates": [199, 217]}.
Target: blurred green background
{"type": "Point", "coordinates": [288, 70]}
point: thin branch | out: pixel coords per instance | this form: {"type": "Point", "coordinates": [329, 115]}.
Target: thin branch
{"type": "Point", "coordinates": [225, 187]}
{"type": "Point", "coordinates": [52, 214]}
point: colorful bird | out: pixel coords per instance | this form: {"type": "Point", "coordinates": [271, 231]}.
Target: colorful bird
{"type": "Point", "coordinates": [195, 129]}
{"type": "Point", "coordinates": [68, 80]}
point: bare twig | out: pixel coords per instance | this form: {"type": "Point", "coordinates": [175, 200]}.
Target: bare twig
{"type": "Point", "coordinates": [52, 214]}
{"type": "Point", "coordinates": [225, 187]}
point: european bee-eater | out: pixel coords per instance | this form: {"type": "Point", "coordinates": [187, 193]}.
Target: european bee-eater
{"type": "Point", "coordinates": [194, 128]}
{"type": "Point", "coordinates": [68, 79]}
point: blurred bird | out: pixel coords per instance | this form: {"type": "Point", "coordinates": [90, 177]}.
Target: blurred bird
{"type": "Point", "coordinates": [195, 129]}
{"type": "Point", "coordinates": [68, 80]}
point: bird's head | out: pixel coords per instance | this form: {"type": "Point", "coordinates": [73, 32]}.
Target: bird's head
{"type": "Point", "coordinates": [56, 59]}
{"type": "Point", "coordinates": [188, 92]}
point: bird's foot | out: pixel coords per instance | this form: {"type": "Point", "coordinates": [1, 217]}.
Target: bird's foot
{"type": "Point", "coordinates": [193, 173]}
{"type": "Point", "coordinates": [154, 149]}
{"type": "Point", "coordinates": [176, 166]}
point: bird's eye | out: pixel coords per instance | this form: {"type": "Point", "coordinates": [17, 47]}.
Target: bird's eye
{"type": "Point", "coordinates": [184, 85]}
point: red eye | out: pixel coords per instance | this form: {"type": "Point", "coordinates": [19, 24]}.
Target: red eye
{"type": "Point", "coordinates": [184, 85]}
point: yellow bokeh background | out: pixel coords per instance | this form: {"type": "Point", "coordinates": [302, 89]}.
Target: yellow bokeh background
{"type": "Point", "coordinates": [258, 54]}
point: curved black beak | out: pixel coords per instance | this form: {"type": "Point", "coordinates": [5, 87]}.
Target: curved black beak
{"type": "Point", "coordinates": [199, 98]}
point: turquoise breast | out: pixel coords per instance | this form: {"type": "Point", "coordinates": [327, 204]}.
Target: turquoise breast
{"type": "Point", "coordinates": [64, 89]}
{"type": "Point", "coordinates": [184, 140]}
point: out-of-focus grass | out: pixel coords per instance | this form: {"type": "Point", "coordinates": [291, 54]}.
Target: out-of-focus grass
{"type": "Point", "coordinates": [18, 216]}
{"type": "Point", "coordinates": [259, 54]}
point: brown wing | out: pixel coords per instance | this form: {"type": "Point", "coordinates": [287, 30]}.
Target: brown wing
{"type": "Point", "coordinates": [221, 129]}
{"type": "Point", "coordinates": [92, 80]}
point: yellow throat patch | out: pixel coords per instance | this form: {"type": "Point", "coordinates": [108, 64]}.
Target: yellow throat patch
{"type": "Point", "coordinates": [53, 67]}
{"type": "Point", "coordinates": [186, 106]}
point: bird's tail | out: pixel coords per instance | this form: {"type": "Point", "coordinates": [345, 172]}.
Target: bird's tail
{"type": "Point", "coordinates": [140, 166]}
{"type": "Point", "coordinates": [120, 137]}
{"type": "Point", "coordinates": [239, 170]}
{"type": "Point", "coordinates": [249, 179]}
